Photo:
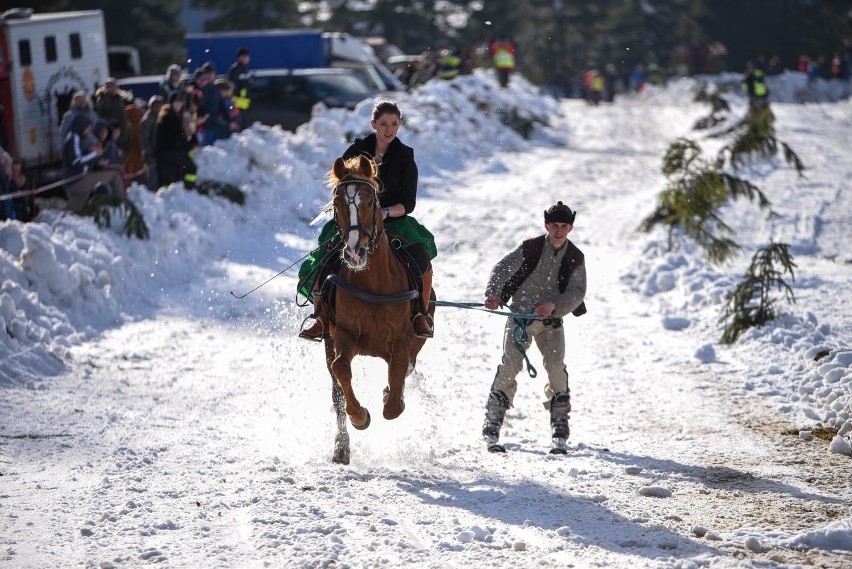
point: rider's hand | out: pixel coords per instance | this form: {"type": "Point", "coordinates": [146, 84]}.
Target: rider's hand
{"type": "Point", "coordinates": [545, 308]}
{"type": "Point", "coordinates": [492, 301]}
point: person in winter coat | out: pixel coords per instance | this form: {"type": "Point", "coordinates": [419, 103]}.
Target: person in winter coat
{"type": "Point", "coordinates": [232, 118]}
{"type": "Point", "coordinates": [545, 277]}
{"type": "Point", "coordinates": [397, 173]}
{"type": "Point", "coordinates": [13, 180]}
{"type": "Point", "coordinates": [172, 143]}
{"type": "Point", "coordinates": [215, 125]}
{"type": "Point", "coordinates": [172, 82]}
{"type": "Point", "coordinates": [79, 165]}
{"type": "Point", "coordinates": [110, 103]}
{"type": "Point", "coordinates": [240, 77]}
{"type": "Point", "coordinates": [147, 135]}
{"type": "Point", "coordinates": [79, 105]}
{"type": "Point", "coordinates": [503, 54]}
{"type": "Point", "coordinates": [754, 83]}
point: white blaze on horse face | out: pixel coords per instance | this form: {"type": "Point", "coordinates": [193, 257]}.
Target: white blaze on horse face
{"type": "Point", "coordinates": [354, 199]}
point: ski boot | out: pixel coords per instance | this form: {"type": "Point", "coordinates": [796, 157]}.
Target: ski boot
{"type": "Point", "coordinates": [560, 406]}
{"type": "Point", "coordinates": [495, 412]}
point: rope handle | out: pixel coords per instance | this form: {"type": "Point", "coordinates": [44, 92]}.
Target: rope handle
{"type": "Point", "coordinates": [519, 332]}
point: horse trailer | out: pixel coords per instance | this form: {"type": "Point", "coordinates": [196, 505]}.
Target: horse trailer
{"type": "Point", "coordinates": [44, 60]}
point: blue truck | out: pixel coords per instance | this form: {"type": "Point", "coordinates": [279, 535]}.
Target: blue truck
{"type": "Point", "coordinates": [290, 49]}
{"type": "Point", "coordinates": [270, 49]}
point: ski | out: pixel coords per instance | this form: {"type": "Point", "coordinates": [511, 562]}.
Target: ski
{"type": "Point", "coordinates": [560, 446]}
{"type": "Point", "coordinates": [496, 447]}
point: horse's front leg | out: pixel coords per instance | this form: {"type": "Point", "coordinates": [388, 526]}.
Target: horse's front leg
{"type": "Point", "coordinates": [397, 370]}
{"type": "Point", "coordinates": [341, 439]}
{"type": "Point", "coordinates": [341, 368]}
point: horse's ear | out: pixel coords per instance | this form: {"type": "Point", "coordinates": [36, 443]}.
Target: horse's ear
{"type": "Point", "coordinates": [366, 167]}
{"type": "Point", "coordinates": [339, 168]}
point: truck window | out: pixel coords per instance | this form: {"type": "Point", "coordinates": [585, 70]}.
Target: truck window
{"type": "Point", "coordinates": [24, 53]}
{"type": "Point", "coordinates": [75, 45]}
{"type": "Point", "coordinates": [50, 48]}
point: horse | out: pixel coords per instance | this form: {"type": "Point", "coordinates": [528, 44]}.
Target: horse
{"type": "Point", "coordinates": [372, 308]}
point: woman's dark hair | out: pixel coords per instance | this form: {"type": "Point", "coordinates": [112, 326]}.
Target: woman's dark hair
{"type": "Point", "coordinates": [385, 108]}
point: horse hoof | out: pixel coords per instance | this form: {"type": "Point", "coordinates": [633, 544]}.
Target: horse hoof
{"type": "Point", "coordinates": [366, 423]}
{"type": "Point", "coordinates": [391, 415]}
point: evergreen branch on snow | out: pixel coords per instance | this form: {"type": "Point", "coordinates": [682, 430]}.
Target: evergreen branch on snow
{"type": "Point", "coordinates": [101, 208]}
{"type": "Point", "coordinates": [755, 138]}
{"type": "Point", "coordinates": [717, 103]}
{"type": "Point", "coordinates": [750, 303]}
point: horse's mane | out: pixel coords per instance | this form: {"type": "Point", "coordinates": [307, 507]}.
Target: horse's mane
{"type": "Point", "coordinates": [351, 166]}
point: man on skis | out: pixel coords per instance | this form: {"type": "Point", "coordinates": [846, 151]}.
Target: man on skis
{"type": "Point", "coordinates": [544, 276]}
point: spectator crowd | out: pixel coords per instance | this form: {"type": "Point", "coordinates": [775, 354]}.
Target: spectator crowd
{"type": "Point", "coordinates": [108, 139]}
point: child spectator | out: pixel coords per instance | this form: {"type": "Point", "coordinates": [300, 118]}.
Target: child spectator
{"type": "Point", "coordinates": [229, 112]}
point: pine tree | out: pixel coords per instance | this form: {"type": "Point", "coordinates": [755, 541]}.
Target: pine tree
{"type": "Point", "coordinates": [750, 303]}
{"type": "Point", "coordinates": [755, 138]}
{"type": "Point", "coordinates": [692, 200]}
{"type": "Point", "coordinates": [717, 103]}
{"type": "Point", "coordinates": [102, 208]}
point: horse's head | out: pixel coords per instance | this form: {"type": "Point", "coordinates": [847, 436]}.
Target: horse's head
{"type": "Point", "coordinates": [356, 208]}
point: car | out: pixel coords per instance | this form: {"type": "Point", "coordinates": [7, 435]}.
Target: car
{"type": "Point", "coordinates": [377, 77]}
{"type": "Point", "coordinates": [398, 62]}
{"type": "Point", "coordinates": [286, 96]}
{"type": "Point", "coordinates": [142, 86]}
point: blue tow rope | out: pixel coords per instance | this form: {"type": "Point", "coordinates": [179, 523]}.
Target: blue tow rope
{"type": "Point", "coordinates": [519, 332]}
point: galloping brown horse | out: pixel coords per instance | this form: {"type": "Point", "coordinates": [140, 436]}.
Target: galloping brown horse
{"type": "Point", "coordinates": [372, 305]}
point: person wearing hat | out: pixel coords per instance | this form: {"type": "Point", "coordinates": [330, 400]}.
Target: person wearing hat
{"type": "Point", "coordinates": [544, 277]}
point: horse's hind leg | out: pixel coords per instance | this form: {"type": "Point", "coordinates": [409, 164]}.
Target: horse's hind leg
{"type": "Point", "coordinates": [341, 439]}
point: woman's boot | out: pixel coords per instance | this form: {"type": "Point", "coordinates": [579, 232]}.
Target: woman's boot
{"type": "Point", "coordinates": [423, 321]}
{"type": "Point", "coordinates": [319, 329]}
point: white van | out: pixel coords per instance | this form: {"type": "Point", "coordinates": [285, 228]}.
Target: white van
{"type": "Point", "coordinates": [44, 60]}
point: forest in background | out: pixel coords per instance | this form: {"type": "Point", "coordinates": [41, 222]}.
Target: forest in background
{"type": "Point", "coordinates": [556, 39]}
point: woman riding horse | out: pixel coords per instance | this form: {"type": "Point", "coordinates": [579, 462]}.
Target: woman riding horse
{"type": "Point", "coordinates": [397, 174]}
{"type": "Point", "coordinates": [371, 295]}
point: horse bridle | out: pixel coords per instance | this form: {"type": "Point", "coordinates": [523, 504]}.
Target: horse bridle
{"type": "Point", "coordinates": [374, 235]}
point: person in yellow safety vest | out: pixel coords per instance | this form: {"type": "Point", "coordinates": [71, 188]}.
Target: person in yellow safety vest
{"type": "Point", "coordinates": [240, 76]}
{"type": "Point", "coordinates": [594, 84]}
{"type": "Point", "coordinates": [448, 64]}
{"type": "Point", "coordinates": [503, 55]}
{"type": "Point", "coordinates": [754, 83]}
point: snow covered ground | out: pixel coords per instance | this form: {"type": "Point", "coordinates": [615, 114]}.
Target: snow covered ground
{"type": "Point", "coordinates": [146, 415]}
